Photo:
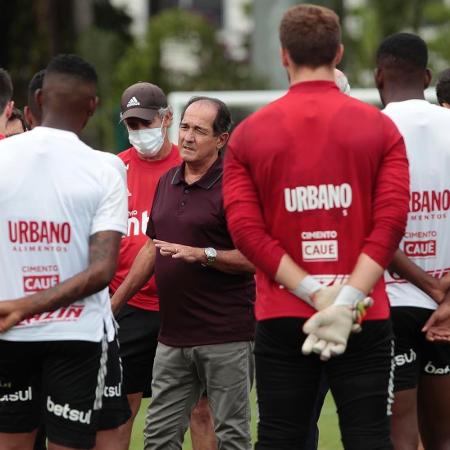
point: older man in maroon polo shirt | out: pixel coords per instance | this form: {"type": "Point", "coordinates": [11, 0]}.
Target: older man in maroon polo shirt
{"type": "Point", "coordinates": [206, 291]}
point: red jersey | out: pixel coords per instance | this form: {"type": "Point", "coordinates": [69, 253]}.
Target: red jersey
{"type": "Point", "coordinates": [142, 180]}
{"type": "Point", "coordinates": [320, 176]}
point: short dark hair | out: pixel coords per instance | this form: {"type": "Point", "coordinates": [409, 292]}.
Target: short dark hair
{"type": "Point", "coordinates": [72, 65]}
{"type": "Point", "coordinates": [443, 87]}
{"type": "Point", "coordinates": [35, 83]}
{"type": "Point", "coordinates": [223, 122]}
{"type": "Point", "coordinates": [311, 34]}
{"type": "Point", "coordinates": [404, 52]}
{"type": "Point", "coordinates": [6, 89]}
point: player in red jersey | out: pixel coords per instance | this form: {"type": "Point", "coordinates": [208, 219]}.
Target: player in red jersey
{"type": "Point", "coordinates": [146, 115]}
{"type": "Point", "coordinates": [316, 193]}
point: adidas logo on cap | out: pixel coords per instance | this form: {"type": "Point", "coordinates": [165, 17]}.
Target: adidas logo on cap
{"type": "Point", "coordinates": [133, 102]}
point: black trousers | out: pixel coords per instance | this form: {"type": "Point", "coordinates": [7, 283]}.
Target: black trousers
{"type": "Point", "coordinates": [288, 384]}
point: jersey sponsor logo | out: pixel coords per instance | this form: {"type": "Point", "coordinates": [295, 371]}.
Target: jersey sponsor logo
{"type": "Point", "coordinates": [37, 283]}
{"type": "Point", "coordinates": [326, 234]}
{"type": "Point", "coordinates": [320, 250]}
{"type": "Point", "coordinates": [433, 370]}
{"type": "Point", "coordinates": [319, 245]}
{"type": "Point", "coordinates": [323, 196]}
{"type": "Point", "coordinates": [65, 314]}
{"type": "Point", "coordinates": [420, 234]}
{"type": "Point", "coordinates": [405, 358]}
{"type": "Point", "coordinates": [44, 232]}
{"type": "Point", "coordinates": [395, 278]}
{"type": "Point", "coordinates": [66, 412]}
{"type": "Point", "coordinates": [430, 201]}
{"type": "Point", "coordinates": [113, 391]}
{"type": "Point", "coordinates": [133, 102]}
{"type": "Point", "coordinates": [136, 225]}
{"type": "Point", "coordinates": [18, 396]}
{"type": "Point", "coordinates": [420, 249]}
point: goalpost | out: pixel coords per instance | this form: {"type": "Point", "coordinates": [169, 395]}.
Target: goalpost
{"type": "Point", "coordinates": [253, 100]}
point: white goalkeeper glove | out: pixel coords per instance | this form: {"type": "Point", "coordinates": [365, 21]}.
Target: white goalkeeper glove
{"type": "Point", "coordinates": [328, 330]}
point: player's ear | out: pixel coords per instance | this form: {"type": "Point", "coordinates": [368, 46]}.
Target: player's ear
{"type": "Point", "coordinates": [379, 78]}
{"type": "Point", "coordinates": [93, 103]}
{"type": "Point", "coordinates": [339, 55]}
{"type": "Point", "coordinates": [284, 56]}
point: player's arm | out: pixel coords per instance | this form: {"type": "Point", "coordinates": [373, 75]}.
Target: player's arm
{"type": "Point", "coordinates": [140, 272]}
{"type": "Point", "coordinates": [103, 253]}
{"type": "Point", "coordinates": [411, 272]}
{"type": "Point", "coordinates": [229, 261]}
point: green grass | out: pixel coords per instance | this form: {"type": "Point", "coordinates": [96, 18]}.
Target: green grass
{"type": "Point", "coordinates": [328, 424]}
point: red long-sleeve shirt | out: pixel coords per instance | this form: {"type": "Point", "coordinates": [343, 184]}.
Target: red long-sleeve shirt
{"type": "Point", "coordinates": [142, 180]}
{"type": "Point", "coordinates": [320, 176]}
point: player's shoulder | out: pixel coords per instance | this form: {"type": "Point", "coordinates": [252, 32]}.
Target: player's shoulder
{"type": "Point", "coordinates": [113, 160]}
{"type": "Point", "coordinates": [125, 155]}
{"type": "Point", "coordinates": [170, 175]}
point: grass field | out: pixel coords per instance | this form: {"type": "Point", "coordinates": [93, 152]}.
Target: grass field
{"type": "Point", "coordinates": [329, 433]}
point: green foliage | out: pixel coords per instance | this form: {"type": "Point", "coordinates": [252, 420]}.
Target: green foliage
{"type": "Point", "coordinates": [365, 26]}
{"type": "Point", "coordinates": [197, 38]}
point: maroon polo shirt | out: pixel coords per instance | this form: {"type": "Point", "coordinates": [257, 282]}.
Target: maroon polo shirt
{"type": "Point", "coordinates": [199, 305]}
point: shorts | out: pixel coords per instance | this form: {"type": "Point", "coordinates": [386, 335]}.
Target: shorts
{"type": "Point", "coordinates": [59, 383]}
{"type": "Point", "coordinates": [288, 386]}
{"type": "Point", "coordinates": [414, 355]}
{"type": "Point", "coordinates": [138, 338]}
{"type": "Point", "coordinates": [115, 409]}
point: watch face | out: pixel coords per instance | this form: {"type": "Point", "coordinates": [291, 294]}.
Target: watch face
{"type": "Point", "coordinates": [210, 252]}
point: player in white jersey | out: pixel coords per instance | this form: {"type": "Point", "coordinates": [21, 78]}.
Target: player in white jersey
{"type": "Point", "coordinates": [63, 210]}
{"type": "Point", "coordinates": [422, 368]}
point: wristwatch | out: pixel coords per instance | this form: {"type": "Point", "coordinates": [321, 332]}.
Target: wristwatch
{"type": "Point", "coordinates": [211, 255]}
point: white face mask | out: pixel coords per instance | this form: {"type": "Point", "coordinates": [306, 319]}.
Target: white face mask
{"type": "Point", "coordinates": [147, 142]}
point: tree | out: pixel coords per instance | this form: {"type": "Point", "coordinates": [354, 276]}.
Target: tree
{"type": "Point", "coordinates": [181, 52]}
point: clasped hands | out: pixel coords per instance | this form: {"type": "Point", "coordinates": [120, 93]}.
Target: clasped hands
{"type": "Point", "coordinates": [329, 328]}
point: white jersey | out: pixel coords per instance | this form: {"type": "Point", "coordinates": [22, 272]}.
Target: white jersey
{"type": "Point", "coordinates": [425, 128]}
{"type": "Point", "coordinates": [55, 192]}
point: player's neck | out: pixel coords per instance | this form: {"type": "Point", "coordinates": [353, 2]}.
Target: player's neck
{"type": "Point", "coordinates": [61, 122]}
{"type": "Point", "coordinates": [401, 94]}
{"type": "Point", "coordinates": [302, 74]}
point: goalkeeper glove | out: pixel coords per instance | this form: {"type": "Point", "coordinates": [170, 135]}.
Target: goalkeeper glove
{"type": "Point", "coordinates": [328, 330]}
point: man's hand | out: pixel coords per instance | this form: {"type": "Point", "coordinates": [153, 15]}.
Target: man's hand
{"type": "Point", "coordinates": [183, 252]}
{"type": "Point", "coordinates": [437, 328]}
{"type": "Point", "coordinates": [11, 313]}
